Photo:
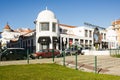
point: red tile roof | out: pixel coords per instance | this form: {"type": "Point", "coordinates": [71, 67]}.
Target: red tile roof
{"type": "Point", "coordinates": [116, 22]}
{"type": "Point", "coordinates": [67, 25]}
{"type": "Point", "coordinates": [7, 27]}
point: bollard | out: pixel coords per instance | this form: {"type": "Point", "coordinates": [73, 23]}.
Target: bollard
{"type": "Point", "coordinates": [110, 50]}
{"type": "Point", "coordinates": [53, 55]}
{"type": "Point", "coordinates": [76, 60]}
{"type": "Point", "coordinates": [95, 64]}
{"type": "Point", "coordinates": [27, 56]}
{"type": "Point", "coordinates": [118, 52]}
{"type": "Point", "coordinates": [63, 58]}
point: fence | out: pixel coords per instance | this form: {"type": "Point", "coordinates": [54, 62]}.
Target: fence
{"type": "Point", "coordinates": [115, 52]}
{"type": "Point", "coordinates": [90, 63]}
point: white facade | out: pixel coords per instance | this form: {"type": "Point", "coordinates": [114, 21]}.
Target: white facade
{"type": "Point", "coordinates": [46, 26]}
{"type": "Point", "coordinates": [111, 36]}
{"type": "Point", "coordinates": [22, 38]}
{"type": "Point", "coordinates": [78, 35]}
{"type": "Point", "coordinates": [8, 35]}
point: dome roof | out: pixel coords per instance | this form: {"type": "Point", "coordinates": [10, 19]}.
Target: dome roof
{"type": "Point", "coordinates": [116, 22]}
{"type": "Point", "coordinates": [46, 14]}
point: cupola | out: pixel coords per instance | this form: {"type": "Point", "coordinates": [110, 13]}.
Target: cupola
{"type": "Point", "coordinates": [46, 15]}
{"type": "Point", "coordinates": [7, 28]}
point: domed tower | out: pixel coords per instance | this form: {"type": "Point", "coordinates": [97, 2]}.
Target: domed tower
{"type": "Point", "coordinates": [47, 30]}
{"type": "Point", "coordinates": [7, 28]}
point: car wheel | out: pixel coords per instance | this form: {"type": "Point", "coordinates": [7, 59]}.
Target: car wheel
{"type": "Point", "coordinates": [32, 57]}
{"type": "Point", "coordinates": [4, 59]}
{"type": "Point", "coordinates": [56, 56]}
{"type": "Point", "coordinates": [40, 57]}
{"type": "Point", "coordinates": [82, 53]}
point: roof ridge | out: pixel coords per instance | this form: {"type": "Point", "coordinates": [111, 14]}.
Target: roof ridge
{"type": "Point", "coordinates": [67, 25]}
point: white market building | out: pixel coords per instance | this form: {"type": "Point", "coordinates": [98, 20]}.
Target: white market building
{"type": "Point", "coordinates": [49, 33]}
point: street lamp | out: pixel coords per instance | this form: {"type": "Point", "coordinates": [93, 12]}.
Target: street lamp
{"type": "Point", "coordinates": [64, 41]}
{"type": "Point", "coordinates": [76, 47]}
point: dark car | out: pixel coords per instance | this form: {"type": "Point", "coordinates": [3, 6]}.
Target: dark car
{"type": "Point", "coordinates": [78, 51]}
{"type": "Point", "coordinates": [47, 53]}
{"type": "Point", "coordinates": [13, 54]}
{"type": "Point", "coordinates": [67, 51]}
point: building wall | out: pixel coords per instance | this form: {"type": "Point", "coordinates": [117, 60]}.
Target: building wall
{"type": "Point", "coordinates": [48, 18]}
{"type": "Point", "coordinates": [116, 27]}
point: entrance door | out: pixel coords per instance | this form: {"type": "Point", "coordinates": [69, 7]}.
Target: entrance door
{"type": "Point", "coordinates": [54, 46]}
{"type": "Point", "coordinates": [45, 46]}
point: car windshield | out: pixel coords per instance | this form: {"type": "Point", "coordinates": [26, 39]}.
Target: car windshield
{"type": "Point", "coordinates": [41, 51]}
{"type": "Point", "coordinates": [67, 49]}
{"type": "Point", "coordinates": [50, 50]}
{"type": "Point", "coordinates": [13, 50]}
{"type": "Point", "coordinates": [16, 50]}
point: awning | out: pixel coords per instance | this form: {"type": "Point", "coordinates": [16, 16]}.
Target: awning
{"type": "Point", "coordinates": [55, 39]}
{"type": "Point", "coordinates": [44, 40]}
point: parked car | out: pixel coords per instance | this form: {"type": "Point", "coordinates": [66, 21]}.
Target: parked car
{"type": "Point", "coordinates": [72, 52]}
{"type": "Point", "coordinates": [13, 54]}
{"type": "Point", "coordinates": [79, 52]}
{"type": "Point", "coordinates": [85, 50]}
{"type": "Point", "coordinates": [67, 51]}
{"type": "Point", "coordinates": [46, 53]}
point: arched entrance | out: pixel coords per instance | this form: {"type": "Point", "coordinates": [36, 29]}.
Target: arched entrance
{"type": "Point", "coordinates": [44, 41]}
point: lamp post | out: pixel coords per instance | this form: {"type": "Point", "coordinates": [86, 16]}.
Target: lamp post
{"type": "Point", "coordinates": [110, 48]}
{"type": "Point", "coordinates": [53, 54]}
{"type": "Point", "coordinates": [76, 46]}
{"type": "Point", "coordinates": [95, 68]}
{"type": "Point", "coordinates": [28, 55]}
{"type": "Point", "coordinates": [76, 59]}
{"type": "Point", "coordinates": [64, 41]}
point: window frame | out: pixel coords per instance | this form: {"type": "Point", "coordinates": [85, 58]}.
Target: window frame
{"type": "Point", "coordinates": [53, 27]}
{"type": "Point", "coordinates": [86, 33]}
{"type": "Point", "coordinates": [44, 26]}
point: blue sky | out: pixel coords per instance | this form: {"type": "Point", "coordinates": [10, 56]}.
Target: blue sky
{"type": "Point", "coordinates": [22, 13]}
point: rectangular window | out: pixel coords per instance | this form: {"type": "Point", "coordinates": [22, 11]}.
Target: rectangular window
{"type": "Point", "coordinates": [64, 31]}
{"type": "Point", "coordinates": [28, 44]}
{"type": "Point", "coordinates": [90, 42]}
{"type": "Point", "coordinates": [31, 42]}
{"type": "Point", "coordinates": [60, 30]}
{"type": "Point", "coordinates": [45, 26]}
{"type": "Point", "coordinates": [81, 41]}
{"type": "Point", "coordinates": [54, 27]}
{"type": "Point", "coordinates": [86, 33]}
{"type": "Point", "coordinates": [104, 36]}
{"type": "Point", "coordinates": [90, 34]}
{"type": "Point", "coordinates": [86, 42]}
